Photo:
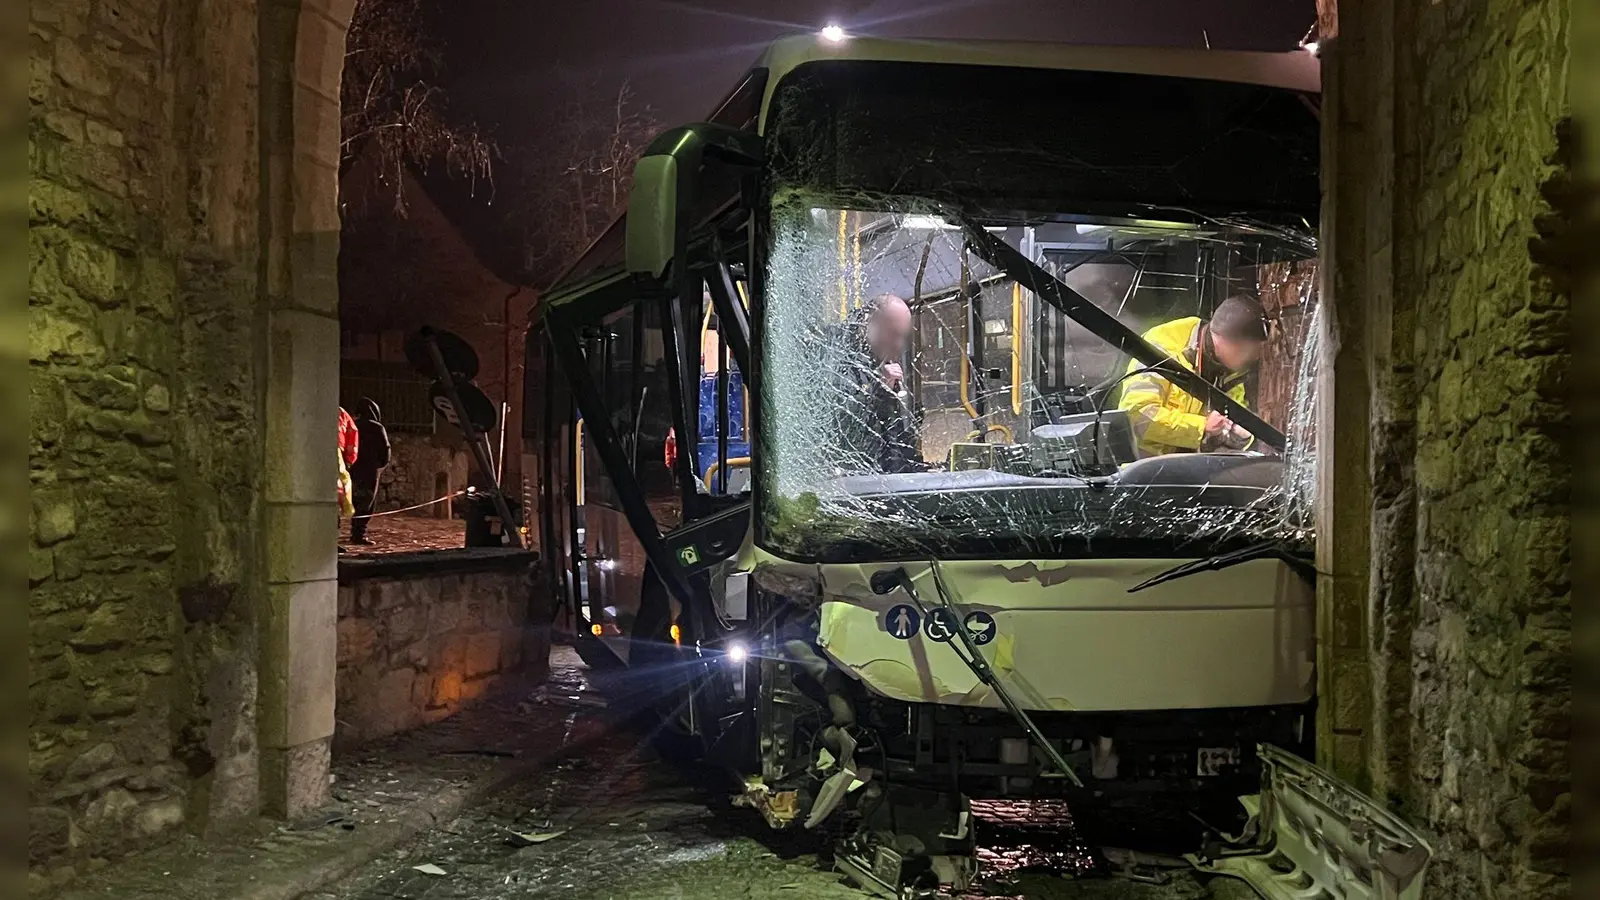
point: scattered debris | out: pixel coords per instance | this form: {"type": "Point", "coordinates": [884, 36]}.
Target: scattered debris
{"type": "Point", "coordinates": [528, 839]}
{"type": "Point", "coordinates": [317, 820]}
{"type": "Point", "coordinates": [430, 869]}
{"type": "Point", "coordinates": [485, 751]}
{"type": "Point", "coordinates": [1135, 865]}
{"type": "Point", "coordinates": [548, 695]}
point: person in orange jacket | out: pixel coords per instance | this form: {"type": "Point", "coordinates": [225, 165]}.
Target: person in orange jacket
{"type": "Point", "coordinates": [349, 446]}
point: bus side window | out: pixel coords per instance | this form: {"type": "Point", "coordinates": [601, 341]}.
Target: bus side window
{"type": "Point", "coordinates": [722, 458]}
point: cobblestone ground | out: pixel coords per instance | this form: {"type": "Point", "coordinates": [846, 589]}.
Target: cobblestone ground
{"type": "Point", "coordinates": [376, 789]}
{"type": "Point", "coordinates": [608, 820]}
{"type": "Point", "coordinates": [405, 534]}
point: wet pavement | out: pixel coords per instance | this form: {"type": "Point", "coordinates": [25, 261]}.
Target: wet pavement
{"type": "Point", "coordinates": [605, 819]}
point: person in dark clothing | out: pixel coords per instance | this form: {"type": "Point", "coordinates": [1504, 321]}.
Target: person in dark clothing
{"type": "Point", "coordinates": [876, 427]}
{"type": "Point", "coordinates": [369, 464]}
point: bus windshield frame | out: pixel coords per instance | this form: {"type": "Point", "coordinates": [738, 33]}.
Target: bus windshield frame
{"type": "Point", "coordinates": [846, 135]}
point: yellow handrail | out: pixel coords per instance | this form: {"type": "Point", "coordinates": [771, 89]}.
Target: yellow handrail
{"type": "Point", "coordinates": [1016, 348]}
{"type": "Point", "coordinates": [966, 364]}
{"type": "Point", "coordinates": [734, 462]}
{"type": "Point", "coordinates": [1003, 429]}
{"type": "Point", "coordinates": [577, 443]}
{"type": "Point", "coordinates": [855, 264]}
{"type": "Point", "coordinates": [844, 291]}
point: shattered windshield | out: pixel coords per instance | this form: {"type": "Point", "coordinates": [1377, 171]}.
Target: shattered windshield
{"type": "Point", "coordinates": [923, 396]}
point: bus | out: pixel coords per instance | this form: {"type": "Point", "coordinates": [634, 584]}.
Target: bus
{"type": "Point", "coordinates": [840, 460]}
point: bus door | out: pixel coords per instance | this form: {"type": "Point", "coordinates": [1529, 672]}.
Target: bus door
{"type": "Point", "coordinates": [554, 433]}
{"type": "Point", "coordinates": [623, 352]}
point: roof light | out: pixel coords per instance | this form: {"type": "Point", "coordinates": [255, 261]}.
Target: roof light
{"type": "Point", "coordinates": [833, 34]}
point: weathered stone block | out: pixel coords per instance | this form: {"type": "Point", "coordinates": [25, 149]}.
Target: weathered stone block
{"type": "Point", "coordinates": [81, 70]}
{"type": "Point", "coordinates": [302, 407]}
{"type": "Point", "coordinates": [49, 833]}
{"type": "Point", "coordinates": [299, 664]}
{"type": "Point", "coordinates": [511, 644]}
{"type": "Point", "coordinates": [110, 701]}
{"type": "Point", "coordinates": [108, 815]}
{"type": "Point", "coordinates": [295, 779]}
{"type": "Point", "coordinates": [446, 689]}
{"type": "Point", "coordinates": [56, 338]}
{"type": "Point", "coordinates": [66, 123]}
{"type": "Point", "coordinates": [106, 627]}
{"type": "Point", "coordinates": [157, 399]}
{"type": "Point", "coordinates": [444, 616]}
{"type": "Point", "coordinates": [90, 268]}
{"type": "Point", "coordinates": [99, 133]}
{"type": "Point", "coordinates": [159, 816]}
{"type": "Point", "coordinates": [482, 654]}
{"type": "Point", "coordinates": [302, 541]}
{"type": "Point", "coordinates": [156, 288]}
{"type": "Point", "coordinates": [404, 625]}
{"type": "Point", "coordinates": [392, 698]}
{"type": "Point", "coordinates": [95, 758]}
{"type": "Point", "coordinates": [41, 565]}
{"type": "Point", "coordinates": [55, 517]}
{"type": "Point", "coordinates": [358, 641]}
{"type": "Point", "coordinates": [453, 653]}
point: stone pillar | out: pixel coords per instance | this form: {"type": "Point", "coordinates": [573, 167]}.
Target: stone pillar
{"type": "Point", "coordinates": [1446, 680]}
{"type": "Point", "coordinates": [1348, 176]}
{"type": "Point", "coordinates": [301, 60]}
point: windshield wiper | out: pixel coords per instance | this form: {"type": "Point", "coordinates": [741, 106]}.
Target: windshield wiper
{"type": "Point", "coordinates": [1106, 327]}
{"type": "Point", "coordinates": [1303, 567]}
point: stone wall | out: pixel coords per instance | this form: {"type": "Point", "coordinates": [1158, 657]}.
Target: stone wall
{"type": "Point", "coordinates": [145, 435]}
{"type": "Point", "coordinates": [183, 240]}
{"type": "Point", "coordinates": [416, 646]}
{"type": "Point", "coordinates": [415, 464]}
{"type": "Point", "coordinates": [1447, 647]}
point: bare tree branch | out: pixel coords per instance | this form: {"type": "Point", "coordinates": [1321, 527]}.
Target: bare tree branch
{"type": "Point", "coordinates": [390, 98]}
{"type": "Point", "coordinates": [574, 180]}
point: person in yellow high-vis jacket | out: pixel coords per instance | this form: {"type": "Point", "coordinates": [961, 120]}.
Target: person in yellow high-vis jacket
{"type": "Point", "coordinates": [1224, 350]}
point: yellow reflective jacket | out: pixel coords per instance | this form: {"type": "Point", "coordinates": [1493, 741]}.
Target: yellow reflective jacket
{"type": "Point", "coordinates": [1167, 419]}
{"type": "Point", "coordinates": [347, 506]}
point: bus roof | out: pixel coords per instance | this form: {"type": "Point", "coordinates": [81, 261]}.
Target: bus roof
{"type": "Point", "coordinates": [1292, 69]}
{"type": "Point", "coordinates": [1295, 70]}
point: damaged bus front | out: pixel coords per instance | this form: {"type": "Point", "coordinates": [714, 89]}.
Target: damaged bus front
{"type": "Point", "coordinates": [1011, 521]}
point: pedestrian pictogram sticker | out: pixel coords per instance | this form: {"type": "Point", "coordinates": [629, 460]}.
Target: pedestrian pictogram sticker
{"type": "Point", "coordinates": [981, 627]}
{"type": "Point", "coordinates": [902, 621]}
{"type": "Point", "coordinates": [941, 625]}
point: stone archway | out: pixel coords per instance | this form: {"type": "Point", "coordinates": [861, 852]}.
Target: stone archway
{"type": "Point", "coordinates": [183, 237]}
{"type": "Point", "coordinates": [302, 55]}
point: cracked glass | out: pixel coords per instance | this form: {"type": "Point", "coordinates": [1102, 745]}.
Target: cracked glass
{"type": "Point", "coordinates": [924, 397]}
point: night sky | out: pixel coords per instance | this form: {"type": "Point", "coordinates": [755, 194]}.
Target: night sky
{"type": "Point", "coordinates": [509, 57]}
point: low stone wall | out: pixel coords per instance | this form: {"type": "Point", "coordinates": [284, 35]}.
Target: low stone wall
{"type": "Point", "coordinates": [421, 635]}
{"type": "Point", "coordinates": [419, 470]}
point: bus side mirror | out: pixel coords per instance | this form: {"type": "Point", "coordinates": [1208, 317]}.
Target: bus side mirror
{"type": "Point", "coordinates": [665, 195]}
